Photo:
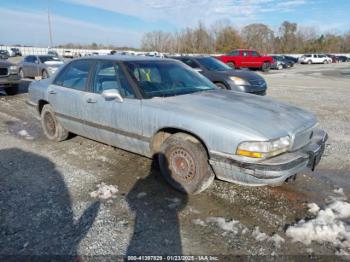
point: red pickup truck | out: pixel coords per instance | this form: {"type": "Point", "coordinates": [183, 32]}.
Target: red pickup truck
{"type": "Point", "coordinates": [247, 58]}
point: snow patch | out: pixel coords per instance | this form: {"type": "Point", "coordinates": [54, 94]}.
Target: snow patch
{"type": "Point", "coordinates": [174, 202]}
{"type": "Point", "coordinates": [313, 208]}
{"type": "Point", "coordinates": [276, 239]}
{"type": "Point", "coordinates": [198, 221]}
{"type": "Point", "coordinates": [226, 225]}
{"type": "Point", "coordinates": [104, 191]}
{"type": "Point", "coordinates": [331, 225]}
{"type": "Point", "coordinates": [23, 133]}
{"type": "Point", "coordinates": [141, 194]}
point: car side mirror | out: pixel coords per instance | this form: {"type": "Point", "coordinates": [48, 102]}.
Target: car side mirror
{"type": "Point", "coordinates": [112, 94]}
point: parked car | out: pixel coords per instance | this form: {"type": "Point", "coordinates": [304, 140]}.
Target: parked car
{"type": "Point", "coordinates": [315, 59]}
{"type": "Point", "coordinates": [279, 63]}
{"type": "Point", "coordinates": [343, 58]}
{"type": "Point", "coordinates": [248, 59]}
{"type": "Point", "coordinates": [333, 57]}
{"type": "Point", "coordinates": [161, 108]}
{"type": "Point", "coordinates": [53, 53]}
{"type": "Point", "coordinates": [41, 65]}
{"type": "Point", "coordinates": [4, 54]}
{"type": "Point", "coordinates": [224, 76]}
{"type": "Point", "coordinates": [291, 58]}
{"type": "Point", "coordinates": [9, 77]}
{"type": "Point", "coordinates": [15, 52]}
{"type": "Point", "coordinates": [68, 54]}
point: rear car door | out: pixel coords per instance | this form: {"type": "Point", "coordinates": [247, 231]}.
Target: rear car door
{"type": "Point", "coordinates": [67, 95]}
{"type": "Point", "coordinates": [245, 58]}
{"type": "Point", "coordinates": [113, 122]}
{"type": "Point", "coordinates": [28, 64]}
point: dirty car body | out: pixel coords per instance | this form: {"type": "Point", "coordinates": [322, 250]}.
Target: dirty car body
{"type": "Point", "coordinates": [139, 103]}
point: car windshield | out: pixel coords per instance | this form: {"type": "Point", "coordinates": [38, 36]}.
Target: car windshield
{"type": "Point", "coordinates": [44, 59]}
{"type": "Point", "coordinates": [167, 78]}
{"type": "Point", "coordinates": [278, 58]}
{"type": "Point", "coordinates": [213, 64]}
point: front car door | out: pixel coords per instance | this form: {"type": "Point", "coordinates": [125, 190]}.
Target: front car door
{"type": "Point", "coordinates": [113, 122]}
{"type": "Point", "coordinates": [67, 95]}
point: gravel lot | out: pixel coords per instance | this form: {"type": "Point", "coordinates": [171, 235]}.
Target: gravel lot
{"type": "Point", "coordinates": [80, 197]}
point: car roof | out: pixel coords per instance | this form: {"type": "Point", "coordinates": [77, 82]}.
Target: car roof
{"type": "Point", "coordinates": [123, 58]}
{"type": "Point", "coordinates": [191, 57]}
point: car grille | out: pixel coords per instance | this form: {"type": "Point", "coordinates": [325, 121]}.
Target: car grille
{"type": "Point", "coordinates": [259, 92]}
{"type": "Point", "coordinates": [258, 83]}
{"type": "Point", "coordinates": [302, 138]}
{"type": "Point", "coordinates": [3, 72]}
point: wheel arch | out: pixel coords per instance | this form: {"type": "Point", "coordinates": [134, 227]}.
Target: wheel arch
{"type": "Point", "coordinates": [41, 104]}
{"type": "Point", "coordinates": [162, 134]}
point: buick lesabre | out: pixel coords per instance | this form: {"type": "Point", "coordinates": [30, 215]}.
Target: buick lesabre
{"type": "Point", "coordinates": [162, 108]}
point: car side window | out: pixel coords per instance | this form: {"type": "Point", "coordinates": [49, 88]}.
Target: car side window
{"type": "Point", "coordinates": [234, 53]}
{"type": "Point", "coordinates": [191, 63]}
{"type": "Point", "coordinates": [30, 59]}
{"type": "Point", "coordinates": [109, 75]}
{"type": "Point", "coordinates": [75, 75]}
{"type": "Point", "coordinates": [255, 54]}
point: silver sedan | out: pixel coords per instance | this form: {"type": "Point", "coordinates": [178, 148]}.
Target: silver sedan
{"type": "Point", "coordinates": [39, 65]}
{"type": "Point", "coordinates": [162, 108]}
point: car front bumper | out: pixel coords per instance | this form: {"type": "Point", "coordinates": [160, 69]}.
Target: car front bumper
{"type": "Point", "coordinates": [273, 171]}
{"type": "Point", "coordinates": [9, 80]}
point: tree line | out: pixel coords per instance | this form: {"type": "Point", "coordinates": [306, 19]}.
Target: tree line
{"type": "Point", "coordinates": [222, 37]}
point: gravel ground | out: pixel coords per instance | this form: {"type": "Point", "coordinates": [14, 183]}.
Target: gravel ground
{"type": "Point", "coordinates": [83, 198]}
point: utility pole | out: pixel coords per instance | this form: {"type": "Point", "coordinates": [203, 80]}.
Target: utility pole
{"type": "Point", "coordinates": [49, 23]}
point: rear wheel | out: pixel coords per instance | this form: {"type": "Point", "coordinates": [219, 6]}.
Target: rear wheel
{"type": "Point", "coordinates": [52, 128]}
{"type": "Point", "coordinates": [183, 162]}
{"type": "Point", "coordinates": [12, 90]}
{"type": "Point", "coordinates": [232, 65]}
{"type": "Point", "coordinates": [265, 67]}
{"type": "Point", "coordinates": [279, 66]}
{"type": "Point", "coordinates": [309, 62]}
{"type": "Point", "coordinates": [45, 74]}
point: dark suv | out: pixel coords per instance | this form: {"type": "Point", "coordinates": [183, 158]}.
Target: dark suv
{"type": "Point", "coordinates": [9, 77]}
{"type": "Point", "coordinates": [224, 76]}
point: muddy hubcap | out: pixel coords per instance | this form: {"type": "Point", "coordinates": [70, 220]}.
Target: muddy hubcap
{"type": "Point", "coordinates": [50, 124]}
{"type": "Point", "coordinates": [182, 164]}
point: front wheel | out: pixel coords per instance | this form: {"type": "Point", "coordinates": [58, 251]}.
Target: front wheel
{"type": "Point", "coordinates": [220, 85]}
{"type": "Point", "coordinates": [12, 90]}
{"type": "Point", "coordinates": [52, 128]}
{"type": "Point", "coordinates": [183, 162]}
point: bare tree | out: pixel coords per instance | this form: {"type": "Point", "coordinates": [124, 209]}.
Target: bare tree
{"type": "Point", "coordinates": [259, 36]}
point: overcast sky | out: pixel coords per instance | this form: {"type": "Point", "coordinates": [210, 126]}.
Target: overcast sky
{"type": "Point", "coordinates": [123, 22]}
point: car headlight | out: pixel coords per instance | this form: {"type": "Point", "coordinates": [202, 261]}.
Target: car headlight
{"type": "Point", "coordinates": [264, 149]}
{"type": "Point", "coordinates": [239, 81]}
{"type": "Point", "coordinates": [13, 69]}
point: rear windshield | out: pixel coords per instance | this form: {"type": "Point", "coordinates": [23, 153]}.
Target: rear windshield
{"type": "Point", "coordinates": [213, 64]}
{"type": "Point", "coordinates": [167, 78]}
{"type": "Point", "coordinates": [44, 59]}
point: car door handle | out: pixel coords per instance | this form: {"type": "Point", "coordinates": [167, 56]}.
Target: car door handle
{"type": "Point", "coordinates": [52, 92]}
{"type": "Point", "coordinates": [91, 101]}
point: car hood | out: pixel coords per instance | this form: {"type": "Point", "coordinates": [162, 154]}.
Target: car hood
{"type": "Point", "coordinates": [4, 63]}
{"type": "Point", "coordinates": [261, 115]}
{"type": "Point", "coordinates": [53, 63]}
{"type": "Point", "coordinates": [247, 75]}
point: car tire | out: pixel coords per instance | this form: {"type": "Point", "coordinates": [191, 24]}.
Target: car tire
{"type": "Point", "coordinates": [309, 62]}
{"type": "Point", "coordinates": [44, 74]}
{"type": "Point", "coordinates": [21, 73]}
{"type": "Point", "coordinates": [52, 128]}
{"type": "Point", "coordinates": [12, 90]}
{"type": "Point", "coordinates": [279, 67]}
{"type": "Point", "coordinates": [183, 162]}
{"type": "Point", "coordinates": [266, 67]}
{"type": "Point", "coordinates": [221, 86]}
{"type": "Point", "coordinates": [232, 65]}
